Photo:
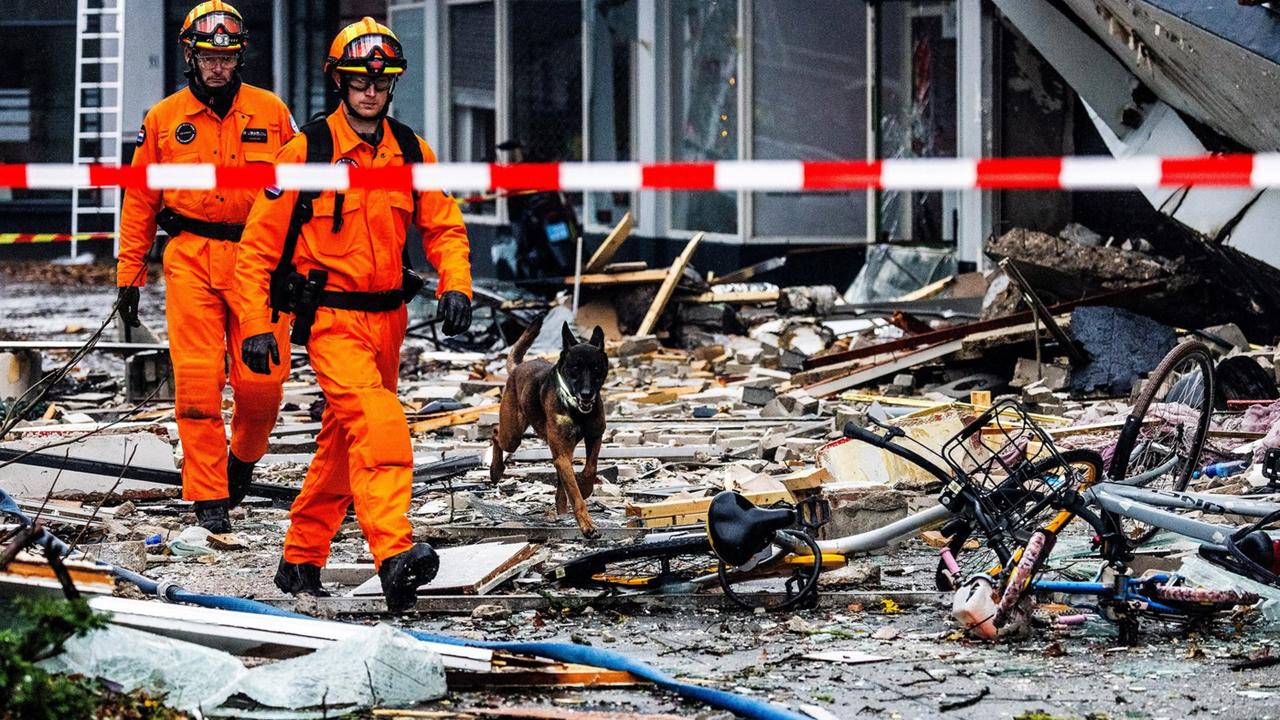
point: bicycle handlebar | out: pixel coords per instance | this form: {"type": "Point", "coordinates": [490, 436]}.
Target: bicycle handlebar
{"type": "Point", "coordinates": [885, 442]}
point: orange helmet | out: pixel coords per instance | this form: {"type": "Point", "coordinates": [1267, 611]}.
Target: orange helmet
{"type": "Point", "coordinates": [214, 25]}
{"type": "Point", "coordinates": [366, 47]}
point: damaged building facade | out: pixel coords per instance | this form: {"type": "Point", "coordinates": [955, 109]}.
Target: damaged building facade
{"type": "Point", "coordinates": [999, 437]}
{"type": "Point", "coordinates": [645, 80]}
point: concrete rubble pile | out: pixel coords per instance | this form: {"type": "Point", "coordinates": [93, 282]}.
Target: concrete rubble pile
{"type": "Point", "coordinates": [741, 386]}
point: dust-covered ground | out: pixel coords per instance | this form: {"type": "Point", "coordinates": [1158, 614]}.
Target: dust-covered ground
{"type": "Point", "coordinates": [922, 666]}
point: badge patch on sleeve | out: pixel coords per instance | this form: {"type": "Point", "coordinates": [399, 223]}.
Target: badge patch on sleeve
{"type": "Point", "coordinates": [185, 133]}
{"type": "Point", "coordinates": [273, 191]}
{"type": "Point", "coordinates": [142, 134]}
{"type": "Point", "coordinates": [254, 135]}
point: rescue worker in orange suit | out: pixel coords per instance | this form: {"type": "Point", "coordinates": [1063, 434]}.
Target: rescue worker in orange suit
{"type": "Point", "coordinates": [216, 119]}
{"type": "Point", "coordinates": [364, 450]}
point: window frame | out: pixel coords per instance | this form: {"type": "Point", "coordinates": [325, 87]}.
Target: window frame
{"type": "Point", "coordinates": [589, 29]}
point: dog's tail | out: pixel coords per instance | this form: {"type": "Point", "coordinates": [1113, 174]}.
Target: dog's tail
{"type": "Point", "coordinates": [522, 345]}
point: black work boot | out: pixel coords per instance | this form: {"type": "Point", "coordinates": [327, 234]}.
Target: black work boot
{"type": "Point", "coordinates": [299, 579]}
{"type": "Point", "coordinates": [402, 574]}
{"type": "Point", "coordinates": [212, 516]}
{"type": "Point", "coordinates": [239, 475]}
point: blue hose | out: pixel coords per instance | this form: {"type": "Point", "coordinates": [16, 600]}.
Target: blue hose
{"type": "Point", "coordinates": [562, 652]}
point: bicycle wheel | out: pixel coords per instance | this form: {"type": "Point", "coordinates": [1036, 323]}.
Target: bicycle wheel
{"type": "Point", "coordinates": [640, 567]}
{"type": "Point", "coordinates": [782, 581]}
{"type": "Point", "coordinates": [1165, 433]}
{"type": "Point", "coordinates": [973, 556]}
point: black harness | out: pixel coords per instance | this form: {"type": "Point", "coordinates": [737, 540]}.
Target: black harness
{"type": "Point", "coordinates": [290, 290]}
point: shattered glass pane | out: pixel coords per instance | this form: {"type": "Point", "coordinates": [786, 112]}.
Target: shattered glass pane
{"type": "Point", "coordinates": [892, 271]}
{"type": "Point", "coordinates": [916, 91]}
{"type": "Point", "coordinates": [191, 677]}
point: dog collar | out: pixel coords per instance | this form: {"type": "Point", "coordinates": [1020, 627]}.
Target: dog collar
{"type": "Point", "coordinates": [566, 395]}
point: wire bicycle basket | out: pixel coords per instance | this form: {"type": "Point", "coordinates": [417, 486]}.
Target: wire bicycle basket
{"type": "Point", "coordinates": [1010, 467]}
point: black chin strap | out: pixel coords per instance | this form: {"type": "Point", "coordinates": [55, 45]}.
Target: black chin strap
{"type": "Point", "coordinates": [217, 99]}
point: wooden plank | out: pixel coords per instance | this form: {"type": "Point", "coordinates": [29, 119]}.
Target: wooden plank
{"type": "Point", "coordinates": [28, 572]}
{"type": "Point", "coordinates": [668, 286]}
{"type": "Point", "coordinates": [543, 674]}
{"type": "Point", "coordinates": [811, 479]}
{"type": "Point", "coordinates": [858, 377]}
{"type": "Point", "coordinates": [506, 574]}
{"type": "Point", "coordinates": [449, 419]}
{"type": "Point", "coordinates": [609, 247]}
{"type": "Point", "coordinates": [666, 395]}
{"type": "Point", "coordinates": [628, 266]}
{"type": "Point", "coordinates": [637, 277]}
{"type": "Point", "coordinates": [759, 297]}
{"type": "Point", "coordinates": [928, 291]}
{"type": "Point", "coordinates": [697, 507]}
{"type": "Point", "coordinates": [962, 331]}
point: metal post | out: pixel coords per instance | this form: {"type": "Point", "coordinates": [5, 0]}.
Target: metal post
{"type": "Point", "coordinates": [972, 128]}
{"type": "Point", "coordinates": [577, 275]}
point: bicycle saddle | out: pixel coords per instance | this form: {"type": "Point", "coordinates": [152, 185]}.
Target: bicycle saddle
{"type": "Point", "coordinates": [738, 530]}
{"type": "Point", "coordinates": [1254, 555]}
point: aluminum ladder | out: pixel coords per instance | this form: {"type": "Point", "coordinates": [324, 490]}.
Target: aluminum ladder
{"type": "Point", "coordinates": [99, 96]}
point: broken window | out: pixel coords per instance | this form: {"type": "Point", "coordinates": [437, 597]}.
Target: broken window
{"type": "Point", "coordinates": [916, 97]}
{"type": "Point", "coordinates": [809, 100]}
{"type": "Point", "coordinates": [546, 79]}
{"type": "Point", "coordinates": [703, 72]}
{"type": "Point", "coordinates": [472, 89]}
{"type": "Point", "coordinates": [611, 62]}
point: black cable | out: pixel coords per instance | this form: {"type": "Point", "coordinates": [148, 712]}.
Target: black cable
{"type": "Point", "coordinates": [12, 417]}
{"type": "Point", "coordinates": [88, 433]}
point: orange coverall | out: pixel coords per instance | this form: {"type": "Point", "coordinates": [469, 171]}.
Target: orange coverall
{"type": "Point", "coordinates": [364, 452]}
{"type": "Point", "coordinates": [199, 275]}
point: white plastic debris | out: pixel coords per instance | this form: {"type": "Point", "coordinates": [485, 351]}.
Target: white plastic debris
{"type": "Point", "coordinates": [384, 667]}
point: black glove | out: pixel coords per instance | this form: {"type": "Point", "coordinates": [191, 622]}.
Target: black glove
{"type": "Point", "coordinates": [260, 352]}
{"type": "Point", "coordinates": [127, 306]}
{"type": "Point", "coordinates": [454, 310]}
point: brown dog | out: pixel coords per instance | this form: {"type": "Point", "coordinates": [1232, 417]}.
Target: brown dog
{"type": "Point", "coordinates": [562, 403]}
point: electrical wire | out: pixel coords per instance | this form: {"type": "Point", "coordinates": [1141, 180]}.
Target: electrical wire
{"type": "Point", "coordinates": [45, 385]}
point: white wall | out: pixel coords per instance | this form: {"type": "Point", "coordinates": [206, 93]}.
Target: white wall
{"type": "Point", "coordinates": [143, 63]}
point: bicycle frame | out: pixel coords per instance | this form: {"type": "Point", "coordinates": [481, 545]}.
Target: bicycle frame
{"type": "Point", "coordinates": [1147, 506]}
{"type": "Point", "coordinates": [1130, 592]}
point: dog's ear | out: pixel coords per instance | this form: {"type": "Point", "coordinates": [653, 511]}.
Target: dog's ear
{"type": "Point", "coordinates": [597, 337]}
{"type": "Point", "coordinates": [567, 334]}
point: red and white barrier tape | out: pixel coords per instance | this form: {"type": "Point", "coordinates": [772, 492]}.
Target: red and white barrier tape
{"type": "Point", "coordinates": [1054, 173]}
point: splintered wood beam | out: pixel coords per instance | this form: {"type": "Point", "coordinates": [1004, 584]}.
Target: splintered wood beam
{"type": "Point", "coordinates": [464, 416]}
{"type": "Point", "coordinates": [668, 286]}
{"type": "Point", "coordinates": [609, 247]}
{"type": "Point", "coordinates": [634, 277]}
{"type": "Point", "coordinates": [757, 297]}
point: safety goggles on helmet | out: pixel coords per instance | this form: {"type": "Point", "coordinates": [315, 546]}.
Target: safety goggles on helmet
{"type": "Point", "coordinates": [372, 55]}
{"type": "Point", "coordinates": [219, 30]}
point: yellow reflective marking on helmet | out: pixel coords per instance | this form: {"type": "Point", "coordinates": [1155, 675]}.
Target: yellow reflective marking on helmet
{"type": "Point", "coordinates": [210, 6]}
